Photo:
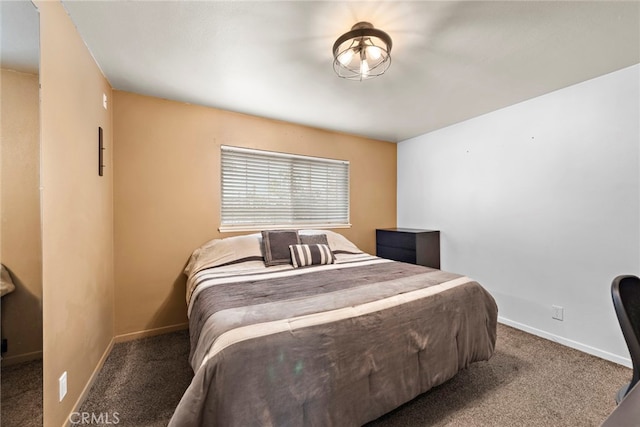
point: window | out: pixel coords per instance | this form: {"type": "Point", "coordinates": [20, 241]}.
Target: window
{"type": "Point", "coordinates": [263, 189]}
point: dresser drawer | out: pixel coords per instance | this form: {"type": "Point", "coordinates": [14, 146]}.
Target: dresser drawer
{"type": "Point", "coordinates": [409, 245]}
{"type": "Point", "coordinates": [396, 239]}
{"type": "Point", "coordinates": [396, 254]}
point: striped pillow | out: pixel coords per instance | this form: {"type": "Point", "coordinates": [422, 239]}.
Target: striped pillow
{"type": "Point", "coordinates": [303, 255]}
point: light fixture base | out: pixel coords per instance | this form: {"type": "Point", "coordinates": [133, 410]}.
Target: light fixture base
{"type": "Point", "coordinates": [362, 24]}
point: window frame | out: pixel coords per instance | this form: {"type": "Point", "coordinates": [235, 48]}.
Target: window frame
{"type": "Point", "coordinates": [292, 224]}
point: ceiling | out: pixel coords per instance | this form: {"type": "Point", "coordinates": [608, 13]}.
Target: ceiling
{"type": "Point", "coordinates": [19, 36]}
{"type": "Point", "coordinates": [451, 60]}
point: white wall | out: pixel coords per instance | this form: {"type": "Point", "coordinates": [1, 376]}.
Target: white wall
{"type": "Point", "coordinates": [539, 202]}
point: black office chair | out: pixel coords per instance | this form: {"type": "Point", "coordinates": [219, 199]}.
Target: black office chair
{"type": "Point", "coordinates": [625, 291]}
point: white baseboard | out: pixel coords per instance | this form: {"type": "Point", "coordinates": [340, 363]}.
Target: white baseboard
{"type": "Point", "coordinates": [150, 332]}
{"type": "Point", "coordinates": [20, 358]}
{"type": "Point", "coordinates": [87, 387]}
{"type": "Point", "coordinates": [569, 343]}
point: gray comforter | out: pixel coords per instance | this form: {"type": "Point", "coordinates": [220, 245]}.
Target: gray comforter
{"type": "Point", "coordinates": [335, 345]}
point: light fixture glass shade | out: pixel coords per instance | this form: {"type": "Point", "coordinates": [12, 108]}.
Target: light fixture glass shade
{"type": "Point", "coordinates": [362, 53]}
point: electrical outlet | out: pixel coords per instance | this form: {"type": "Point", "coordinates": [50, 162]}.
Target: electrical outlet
{"type": "Point", "coordinates": [558, 312]}
{"type": "Point", "coordinates": [62, 382]}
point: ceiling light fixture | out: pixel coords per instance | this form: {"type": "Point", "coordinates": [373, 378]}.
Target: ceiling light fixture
{"type": "Point", "coordinates": [362, 53]}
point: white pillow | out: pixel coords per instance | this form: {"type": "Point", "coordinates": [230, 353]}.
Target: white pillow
{"type": "Point", "coordinates": [229, 250]}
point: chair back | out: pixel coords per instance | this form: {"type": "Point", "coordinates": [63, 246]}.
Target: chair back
{"type": "Point", "coordinates": [625, 291]}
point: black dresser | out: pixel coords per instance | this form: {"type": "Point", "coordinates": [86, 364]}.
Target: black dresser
{"type": "Point", "coordinates": [409, 245]}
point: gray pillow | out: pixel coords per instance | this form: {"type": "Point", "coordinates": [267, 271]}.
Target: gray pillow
{"type": "Point", "coordinates": [275, 246]}
{"type": "Point", "coordinates": [314, 239]}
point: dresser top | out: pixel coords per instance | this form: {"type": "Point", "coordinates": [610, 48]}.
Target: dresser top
{"type": "Point", "coordinates": [406, 230]}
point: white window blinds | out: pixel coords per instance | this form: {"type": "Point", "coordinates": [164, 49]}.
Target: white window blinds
{"type": "Point", "coordinates": [263, 189]}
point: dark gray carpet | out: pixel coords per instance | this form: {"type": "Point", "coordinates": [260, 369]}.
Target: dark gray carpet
{"type": "Point", "coordinates": [141, 382]}
{"type": "Point", "coordinates": [529, 382]}
{"type": "Point", "coordinates": [21, 394]}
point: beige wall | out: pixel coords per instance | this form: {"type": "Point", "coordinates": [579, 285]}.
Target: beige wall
{"type": "Point", "coordinates": [20, 212]}
{"type": "Point", "coordinates": [77, 212]}
{"type": "Point", "coordinates": [167, 187]}
{"type": "Point", "coordinates": [156, 203]}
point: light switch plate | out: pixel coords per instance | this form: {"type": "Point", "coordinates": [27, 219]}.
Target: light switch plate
{"type": "Point", "coordinates": [62, 382]}
{"type": "Point", "coordinates": [558, 312]}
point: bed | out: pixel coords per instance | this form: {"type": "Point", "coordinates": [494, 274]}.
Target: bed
{"type": "Point", "coordinates": [321, 338]}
